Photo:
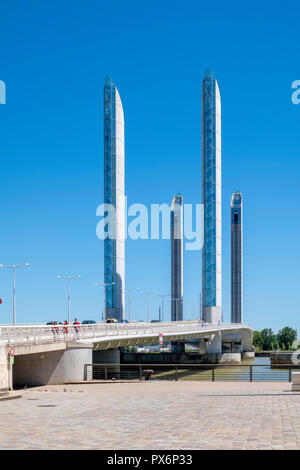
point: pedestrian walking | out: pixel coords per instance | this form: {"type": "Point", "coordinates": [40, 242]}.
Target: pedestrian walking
{"type": "Point", "coordinates": [55, 330]}
{"type": "Point", "coordinates": [76, 327]}
{"type": "Point", "coordinates": [65, 328]}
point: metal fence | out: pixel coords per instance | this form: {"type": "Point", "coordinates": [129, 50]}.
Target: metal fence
{"type": "Point", "coordinates": [191, 372]}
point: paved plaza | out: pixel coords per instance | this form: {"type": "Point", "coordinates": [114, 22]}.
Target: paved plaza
{"type": "Point", "coordinates": [153, 415]}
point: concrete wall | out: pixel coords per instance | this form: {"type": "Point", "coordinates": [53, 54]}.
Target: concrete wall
{"type": "Point", "coordinates": [55, 367]}
{"type": "Point", "coordinates": [248, 354]}
{"type": "Point", "coordinates": [4, 370]}
{"type": "Point", "coordinates": [281, 357]}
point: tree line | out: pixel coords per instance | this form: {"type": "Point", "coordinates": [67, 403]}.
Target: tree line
{"type": "Point", "coordinates": [267, 340]}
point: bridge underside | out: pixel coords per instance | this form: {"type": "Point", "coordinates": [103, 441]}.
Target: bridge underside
{"type": "Point", "coordinates": [244, 336]}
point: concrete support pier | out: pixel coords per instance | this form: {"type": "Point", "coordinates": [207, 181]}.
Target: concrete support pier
{"type": "Point", "coordinates": [214, 345]}
{"type": "Point", "coordinates": [54, 367]}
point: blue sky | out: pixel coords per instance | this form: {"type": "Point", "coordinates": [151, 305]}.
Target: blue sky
{"type": "Point", "coordinates": [54, 59]}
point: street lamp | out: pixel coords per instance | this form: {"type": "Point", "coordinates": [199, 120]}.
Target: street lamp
{"type": "Point", "coordinates": [69, 279]}
{"type": "Point", "coordinates": [104, 284]}
{"type": "Point", "coordinates": [129, 289]}
{"type": "Point", "coordinates": [162, 304]}
{"type": "Point", "coordinates": [148, 293]}
{"type": "Point", "coordinates": [14, 267]}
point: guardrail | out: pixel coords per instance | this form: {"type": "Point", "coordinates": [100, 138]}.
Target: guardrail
{"type": "Point", "coordinates": [12, 335]}
{"type": "Point", "coordinates": [191, 372]}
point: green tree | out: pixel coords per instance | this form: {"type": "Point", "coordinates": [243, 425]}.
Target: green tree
{"type": "Point", "coordinates": [286, 336]}
{"type": "Point", "coordinates": [257, 341]}
{"type": "Point", "coordinates": [268, 339]}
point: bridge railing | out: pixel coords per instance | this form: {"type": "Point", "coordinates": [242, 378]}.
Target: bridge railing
{"type": "Point", "coordinates": [25, 334]}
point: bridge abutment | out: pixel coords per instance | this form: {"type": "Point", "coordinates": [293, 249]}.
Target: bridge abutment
{"type": "Point", "coordinates": [5, 381]}
{"type": "Point", "coordinates": [52, 367]}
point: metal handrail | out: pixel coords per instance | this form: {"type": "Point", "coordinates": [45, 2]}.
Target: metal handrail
{"type": "Point", "coordinates": [145, 365]}
{"type": "Point", "coordinates": [119, 371]}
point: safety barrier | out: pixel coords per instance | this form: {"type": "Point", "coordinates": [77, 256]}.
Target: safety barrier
{"type": "Point", "coordinates": [191, 372]}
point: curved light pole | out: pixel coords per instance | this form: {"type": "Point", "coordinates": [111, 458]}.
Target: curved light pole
{"type": "Point", "coordinates": [104, 284]}
{"type": "Point", "coordinates": [162, 304]}
{"type": "Point", "coordinates": [129, 289]}
{"type": "Point", "coordinates": [69, 278]}
{"type": "Point", "coordinates": [14, 267]}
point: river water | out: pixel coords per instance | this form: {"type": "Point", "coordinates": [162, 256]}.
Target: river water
{"type": "Point", "coordinates": [261, 371]}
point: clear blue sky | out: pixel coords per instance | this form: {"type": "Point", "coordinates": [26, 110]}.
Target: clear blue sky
{"type": "Point", "coordinates": [54, 59]}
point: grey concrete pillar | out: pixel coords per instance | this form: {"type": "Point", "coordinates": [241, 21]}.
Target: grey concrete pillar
{"type": "Point", "coordinates": [202, 346]}
{"type": "Point", "coordinates": [215, 345]}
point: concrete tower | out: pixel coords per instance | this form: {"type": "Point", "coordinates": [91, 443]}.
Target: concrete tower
{"type": "Point", "coordinates": [211, 198]}
{"type": "Point", "coordinates": [114, 182]}
{"type": "Point", "coordinates": [236, 258]}
{"type": "Point", "coordinates": [176, 259]}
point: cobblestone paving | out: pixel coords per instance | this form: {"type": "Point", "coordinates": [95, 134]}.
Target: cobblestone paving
{"type": "Point", "coordinates": [154, 415]}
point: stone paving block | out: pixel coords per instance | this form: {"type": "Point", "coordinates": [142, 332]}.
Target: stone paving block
{"type": "Point", "coordinates": [160, 416]}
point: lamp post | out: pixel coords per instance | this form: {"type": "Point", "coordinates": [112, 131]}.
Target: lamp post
{"type": "Point", "coordinates": [104, 284]}
{"type": "Point", "coordinates": [148, 293]}
{"type": "Point", "coordinates": [69, 278]}
{"type": "Point", "coordinates": [129, 289]}
{"type": "Point", "coordinates": [162, 304]}
{"type": "Point", "coordinates": [14, 267]}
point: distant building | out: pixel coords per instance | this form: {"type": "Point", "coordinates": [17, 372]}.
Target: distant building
{"type": "Point", "coordinates": [114, 182]}
{"type": "Point", "coordinates": [177, 258]}
{"type": "Point", "coordinates": [236, 258]}
{"type": "Point", "coordinates": [211, 198]}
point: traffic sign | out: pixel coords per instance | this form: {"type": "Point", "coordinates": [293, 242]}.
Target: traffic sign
{"type": "Point", "coordinates": [12, 351]}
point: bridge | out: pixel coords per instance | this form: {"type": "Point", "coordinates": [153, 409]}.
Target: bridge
{"type": "Point", "coordinates": [50, 354]}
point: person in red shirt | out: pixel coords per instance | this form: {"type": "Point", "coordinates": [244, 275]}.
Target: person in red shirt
{"type": "Point", "coordinates": [65, 328]}
{"type": "Point", "coordinates": [76, 327]}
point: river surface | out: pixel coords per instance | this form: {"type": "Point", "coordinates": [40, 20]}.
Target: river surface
{"type": "Point", "coordinates": [257, 369]}
{"type": "Point", "coordinates": [261, 370]}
